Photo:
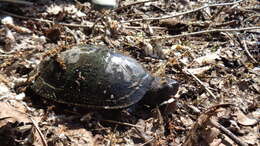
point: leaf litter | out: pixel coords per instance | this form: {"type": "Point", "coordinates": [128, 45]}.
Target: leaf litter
{"type": "Point", "coordinates": [211, 48]}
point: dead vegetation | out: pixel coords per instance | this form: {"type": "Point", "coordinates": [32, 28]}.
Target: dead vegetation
{"type": "Point", "coordinates": [212, 49]}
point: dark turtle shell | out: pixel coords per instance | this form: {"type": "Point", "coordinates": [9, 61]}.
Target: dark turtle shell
{"type": "Point", "coordinates": [91, 76]}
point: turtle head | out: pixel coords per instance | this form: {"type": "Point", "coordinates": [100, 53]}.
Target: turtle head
{"type": "Point", "coordinates": [160, 91]}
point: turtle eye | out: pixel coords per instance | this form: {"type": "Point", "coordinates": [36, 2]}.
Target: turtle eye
{"type": "Point", "coordinates": [170, 86]}
{"type": "Point", "coordinates": [173, 86]}
{"type": "Point", "coordinates": [172, 83]}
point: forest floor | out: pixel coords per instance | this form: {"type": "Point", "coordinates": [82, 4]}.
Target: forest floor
{"type": "Point", "coordinates": [211, 49]}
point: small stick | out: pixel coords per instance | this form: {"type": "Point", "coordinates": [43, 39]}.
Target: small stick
{"type": "Point", "coordinates": [73, 34]}
{"type": "Point", "coordinates": [143, 136]}
{"type": "Point", "coordinates": [17, 2]}
{"type": "Point", "coordinates": [206, 88]}
{"type": "Point", "coordinates": [248, 53]}
{"type": "Point", "coordinates": [228, 133]}
{"type": "Point", "coordinates": [122, 123]}
{"type": "Point", "coordinates": [147, 142]}
{"type": "Point", "coordinates": [46, 21]}
{"type": "Point", "coordinates": [182, 13]}
{"type": "Point", "coordinates": [91, 24]}
{"type": "Point", "coordinates": [204, 31]}
{"type": "Point", "coordinates": [132, 4]}
{"type": "Point", "coordinates": [39, 131]}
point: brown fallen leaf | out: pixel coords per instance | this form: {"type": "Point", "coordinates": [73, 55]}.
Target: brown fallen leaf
{"type": "Point", "coordinates": [63, 135]}
{"type": "Point", "coordinates": [208, 58]}
{"type": "Point", "coordinates": [13, 123]}
{"type": "Point", "coordinates": [202, 133]}
{"type": "Point", "coordinates": [244, 120]}
{"type": "Point", "coordinates": [12, 113]}
{"type": "Point", "coordinates": [53, 34]}
{"type": "Point", "coordinates": [199, 70]}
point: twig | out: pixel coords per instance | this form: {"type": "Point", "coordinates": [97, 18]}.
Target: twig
{"type": "Point", "coordinates": [39, 131]}
{"type": "Point", "coordinates": [17, 2]}
{"type": "Point", "coordinates": [140, 27]}
{"type": "Point", "coordinates": [147, 142]}
{"type": "Point", "coordinates": [73, 34]}
{"type": "Point", "coordinates": [33, 122]}
{"type": "Point", "coordinates": [204, 31]}
{"type": "Point", "coordinates": [182, 13]}
{"type": "Point", "coordinates": [122, 123]}
{"type": "Point", "coordinates": [115, 10]}
{"type": "Point", "coordinates": [105, 13]}
{"type": "Point", "coordinates": [89, 25]}
{"type": "Point", "coordinates": [206, 88]}
{"type": "Point", "coordinates": [194, 135]}
{"type": "Point", "coordinates": [47, 21]}
{"type": "Point", "coordinates": [228, 133]}
{"type": "Point", "coordinates": [248, 53]}
{"type": "Point", "coordinates": [132, 4]}
{"type": "Point", "coordinates": [143, 136]}
{"type": "Point", "coordinates": [217, 106]}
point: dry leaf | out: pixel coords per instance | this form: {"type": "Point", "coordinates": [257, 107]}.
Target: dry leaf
{"type": "Point", "coordinates": [208, 59]}
{"type": "Point", "coordinates": [12, 113]}
{"type": "Point", "coordinates": [54, 9]}
{"type": "Point", "coordinates": [244, 120]}
{"type": "Point", "coordinates": [200, 70]}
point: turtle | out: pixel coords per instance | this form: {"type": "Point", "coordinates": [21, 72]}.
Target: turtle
{"type": "Point", "coordinates": [97, 77]}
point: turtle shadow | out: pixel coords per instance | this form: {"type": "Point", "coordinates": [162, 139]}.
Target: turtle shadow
{"type": "Point", "coordinates": [90, 118]}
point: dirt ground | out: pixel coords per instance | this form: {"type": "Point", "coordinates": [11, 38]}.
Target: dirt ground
{"type": "Point", "coordinates": [210, 47]}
